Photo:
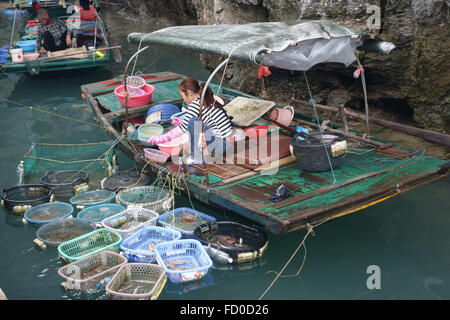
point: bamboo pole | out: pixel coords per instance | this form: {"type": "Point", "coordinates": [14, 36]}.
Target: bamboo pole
{"type": "Point", "coordinates": [433, 136]}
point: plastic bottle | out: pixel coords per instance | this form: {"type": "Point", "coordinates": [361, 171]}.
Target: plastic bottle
{"type": "Point", "coordinates": [20, 172]}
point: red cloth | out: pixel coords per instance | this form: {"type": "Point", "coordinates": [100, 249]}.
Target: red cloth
{"type": "Point", "coordinates": [358, 71]}
{"type": "Point", "coordinates": [36, 5]}
{"type": "Point", "coordinates": [263, 71]}
{"type": "Point", "coordinates": [87, 14]}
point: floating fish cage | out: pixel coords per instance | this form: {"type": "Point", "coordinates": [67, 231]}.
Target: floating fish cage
{"type": "Point", "coordinates": [137, 281]}
{"type": "Point", "coordinates": [91, 272]}
{"type": "Point", "coordinates": [183, 260]}
{"type": "Point", "coordinates": [125, 179]}
{"type": "Point", "coordinates": [232, 242]}
{"type": "Point", "coordinates": [92, 198]}
{"type": "Point", "coordinates": [20, 198]}
{"type": "Point", "coordinates": [66, 183]}
{"type": "Point", "coordinates": [48, 212]}
{"type": "Point", "coordinates": [55, 233]}
{"type": "Point", "coordinates": [129, 221]}
{"type": "Point", "coordinates": [89, 244]}
{"type": "Point", "coordinates": [150, 197]}
{"type": "Point", "coordinates": [185, 220]}
{"type": "Point", "coordinates": [140, 246]}
{"type": "Point", "coordinates": [100, 212]}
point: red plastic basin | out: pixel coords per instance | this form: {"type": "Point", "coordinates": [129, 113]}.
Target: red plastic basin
{"type": "Point", "coordinates": [256, 132]}
{"type": "Point", "coordinates": [173, 147]}
{"type": "Point", "coordinates": [136, 101]}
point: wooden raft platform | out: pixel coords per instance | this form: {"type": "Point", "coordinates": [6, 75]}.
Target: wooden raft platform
{"type": "Point", "coordinates": [363, 178]}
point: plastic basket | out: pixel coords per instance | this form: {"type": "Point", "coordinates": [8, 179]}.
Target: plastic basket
{"type": "Point", "coordinates": [19, 199]}
{"type": "Point", "coordinates": [156, 155]}
{"type": "Point", "coordinates": [140, 246]}
{"type": "Point", "coordinates": [135, 82]}
{"type": "Point", "coordinates": [66, 183]}
{"type": "Point", "coordinates": [149, 197]}
{"type": "Point", "coordinates": [167, 110]}
{"type": "Point", "coordinates": [125, 179]}
{"type": "Point", "coordinates": [62, 230]}
{"type": "Point", "coordinates": [137, 281]}
{"type": "Point", "coordinates": [91, 198]}
{"type": "Point", "coordinates": [100, 211]}
{"type": "Point", "coordinates": [184, 220]}
{"type": "Point", "coordinates": [183, 260]}
{"type": "Point", "coordinates": [89, 244]}
{"type": "Point", "coordinates": [129, 221]}
{"type": "Point", "coordinates": [48, 212]}
{"type": "Point", "coordinates": [91, 272]}
{"type": "Point", "coordinates": [232, 242]}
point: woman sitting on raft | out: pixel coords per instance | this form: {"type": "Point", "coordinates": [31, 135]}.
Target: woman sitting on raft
{"type": "Point", "coordinates": [215, 122]}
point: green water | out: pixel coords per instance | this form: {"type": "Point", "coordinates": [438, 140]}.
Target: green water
{"type": "Point", "coordinates": [406, 236]}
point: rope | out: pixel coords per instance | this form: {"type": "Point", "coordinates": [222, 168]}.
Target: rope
{"type": "Point", "coordinates": [52, 113]}
{"type": "Point", "coordinates": [313, 102]}
{"type": "Point", "coordinates": [302, 244]}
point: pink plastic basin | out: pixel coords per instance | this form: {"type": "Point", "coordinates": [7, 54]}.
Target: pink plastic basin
{"type": "Point", "coordinates": [136, 100]}
{"type": "Point", "coordinates": [173, 147]}
{"type": "Point", "coordinates": [155, 155]}
{"type": "Point", "coordinates": [256, 132]}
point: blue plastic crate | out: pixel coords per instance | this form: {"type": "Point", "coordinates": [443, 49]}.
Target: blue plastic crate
{"type": "Point", "coordinates": [183, 260]}
{"type": "Point", "coordinates": [137, 246]}
{"type": "Point", "coordinates": [48, 212]}
{"type": "Point", "coordinates": [176, 219]}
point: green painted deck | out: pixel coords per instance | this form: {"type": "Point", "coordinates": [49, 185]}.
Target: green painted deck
{"type": "Point", "coordinates": [363, 178]}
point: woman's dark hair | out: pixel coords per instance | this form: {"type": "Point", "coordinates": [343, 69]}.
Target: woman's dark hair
{"type": "Point", "coordinates": [190, 83]}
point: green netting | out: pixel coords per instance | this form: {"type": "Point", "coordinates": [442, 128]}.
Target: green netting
{"type": "Point", "coordinates": [94, 158]}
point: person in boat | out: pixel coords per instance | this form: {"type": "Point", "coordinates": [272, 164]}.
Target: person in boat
{"type": "Point", "coordinates": [52, 32]}
{"type": "Point", "coordinates": [215, 123]}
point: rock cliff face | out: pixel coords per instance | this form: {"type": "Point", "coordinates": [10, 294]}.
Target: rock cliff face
{"type": "Point", "coordinates": [413, 80]}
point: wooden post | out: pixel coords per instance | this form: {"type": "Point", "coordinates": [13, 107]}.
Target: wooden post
{"type": "Point", "coordinates": [343, 118]}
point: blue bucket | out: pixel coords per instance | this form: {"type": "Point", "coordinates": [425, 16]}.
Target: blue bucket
{"type": "Point", "coordinates": [27, 45]}
{"type": "Point", "coordinates": [167, 110]}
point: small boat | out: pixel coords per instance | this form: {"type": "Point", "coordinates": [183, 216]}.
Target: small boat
{"type": "Point", "coordinates": [375, 171]}
{"type": "Point", "coordinates": [94, 51]}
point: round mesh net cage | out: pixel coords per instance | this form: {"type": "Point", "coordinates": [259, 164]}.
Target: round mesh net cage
{"type": "Point", "coordinates": [19, 199]}
{"type": "Point", "coordinates": [57, 232]}
{"type": "Point", "coordinates": [66, 183]}
{"type": "Point", "coordinates": [48, 212]}
{"type": "Point", "coordinates": [125, 179]}
{"type": "Point", "coordinates": [239, 242]}
{"type": "Point", "coordinates": [153, 198]}
{"type": "Point", "coordinates": [100, 211]}
{"type": "Point", "coordinates": [91, 198]}
{"type": "Point", "coordinates": [183, 219]}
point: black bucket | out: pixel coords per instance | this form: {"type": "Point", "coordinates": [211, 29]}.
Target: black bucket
{"type": "Point", "coordinates": [312, 157]}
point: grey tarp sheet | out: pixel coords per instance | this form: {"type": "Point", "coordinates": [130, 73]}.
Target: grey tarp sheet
{"type": "Point", "coordinates": [295, 45]}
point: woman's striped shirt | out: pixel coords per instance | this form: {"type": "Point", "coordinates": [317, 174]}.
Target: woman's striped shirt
{"type": "Point", "coordinates": [215, 118]}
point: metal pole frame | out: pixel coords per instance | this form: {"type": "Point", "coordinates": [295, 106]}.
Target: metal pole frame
{"type": "Point", "coordinates": [201, 108]}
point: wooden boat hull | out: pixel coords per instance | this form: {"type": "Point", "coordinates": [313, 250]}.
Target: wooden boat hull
{"type": "Point", "coordinates": [315, 197]}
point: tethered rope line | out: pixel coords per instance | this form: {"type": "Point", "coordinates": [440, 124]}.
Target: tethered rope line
{"type": "Point", "coordinates": [302, 244]}
{"type": "Point", "coordinates": [52, 113]}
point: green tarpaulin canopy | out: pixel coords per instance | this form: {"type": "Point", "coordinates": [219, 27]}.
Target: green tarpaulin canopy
{"type": "Point", "coordinates": [293, 45]}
